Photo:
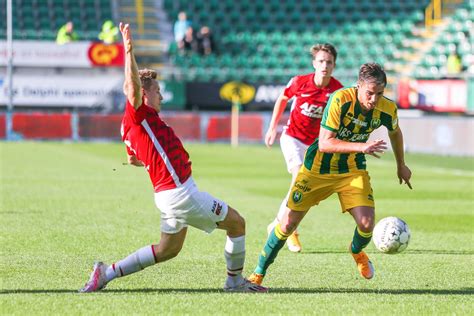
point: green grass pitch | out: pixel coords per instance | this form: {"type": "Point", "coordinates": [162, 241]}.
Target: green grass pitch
{"type": "Point", "coordinates": [65, 205]}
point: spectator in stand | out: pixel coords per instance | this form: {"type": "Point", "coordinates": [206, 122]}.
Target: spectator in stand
{"type": "Point", "coordinates": [453, 63]}
{"type": "Point", "coordinates": [66, 34]}
{"type": "Point", "coordinates": [109, 33]}
{"type": "Point", "coordinates": [180, 27]}
{"type": "Point", "coordinates": [190, 43]}
{"type": "Point", "coordinates": [206, 41]}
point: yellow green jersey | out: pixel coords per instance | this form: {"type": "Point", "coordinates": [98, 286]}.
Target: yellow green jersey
{"type": "Point", "coordinates": [343, 116]}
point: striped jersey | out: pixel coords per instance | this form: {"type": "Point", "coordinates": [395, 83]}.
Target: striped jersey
{"type": "Point", "coordinates": [344, 117]}
{"type": "Point", "coordinates": [308, 106]}
{"type": "Point", "coordinates": [155, 144]}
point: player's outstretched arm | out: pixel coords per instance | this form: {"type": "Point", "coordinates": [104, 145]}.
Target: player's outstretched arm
{"type": "Point", "coordinates": [278, 110]}
{"type": "Point", "coordinates": [328, 143]}
{"type": "Point", "coordinates": [132, 86]}
{"type": "Point", "coordinates": [403, 172]}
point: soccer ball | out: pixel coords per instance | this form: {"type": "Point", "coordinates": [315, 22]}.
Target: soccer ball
{"type": "Point", "coordinates": [391, 235]}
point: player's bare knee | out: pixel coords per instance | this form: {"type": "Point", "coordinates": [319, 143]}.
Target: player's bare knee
{"type": "Point", "coordinates": [366, 225]}
{"type": "Point", "coordinates": [173, 251]}
{"type": "Point", "coordinates": [240, 222]}
{"type": "Point", "coordinates": [288, 227]}
{"type": "Point", "coordinates": [234, 222]}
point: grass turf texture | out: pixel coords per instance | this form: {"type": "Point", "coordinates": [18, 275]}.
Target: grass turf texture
{"type": "Point", "coordinates": [65, 205]}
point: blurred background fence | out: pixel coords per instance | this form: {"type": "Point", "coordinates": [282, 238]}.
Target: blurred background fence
{"type": "Point", "coordinates": [74, 91]}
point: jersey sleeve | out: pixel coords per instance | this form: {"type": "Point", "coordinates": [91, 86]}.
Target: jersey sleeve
{"type": "Point", "coordinates": [338, 85]}
{"type": "Point", "coordinates": [136, 115]}
{"type": "Point", "coordinates": [291, 88]}
{"type": "Point", "coordinates": [332, 113]}
{"type": "Point", "coordinates": [390, 118]}
{"type": "Point", "coordinates": [129, 150]}
{"type": "Point", "coordinates": [335, 85]}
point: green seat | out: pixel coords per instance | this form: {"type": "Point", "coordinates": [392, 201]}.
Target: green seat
{"type": "Point", "coordinates": [226, 61]}
{"type": "Point", "coordinates": [258, 38]}
{"type": "Point", "coordinates": [275, 38]}
{"type": "Point", "coordinates": [248, 75]}
{"type": "Point", "coordinates": [28, 23]}
{"type": "Point", "coordinates": [256, 61]}
{"type": "Point", "coordinates": [393, 27]}
{"type": "Point", "coordinates": [378, 27]}
{"type": "Point", "coordinates": [292, 38]}
{"type": "Point", "coordinates": [203, 75]}
{"type": "Point", "coordinates": [266, 50]}
{"type": "Point", "coordinates": [272, 62]}
{"type": "Point", "coordinates": [241, 61]}
{"type": "Point", "coordinates": [208, 61]}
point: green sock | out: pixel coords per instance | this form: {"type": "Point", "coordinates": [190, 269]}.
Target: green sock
{"type": "Point", "coordinates": [360, 240]}
{"type": "Point", "coordinates": [274, 243]}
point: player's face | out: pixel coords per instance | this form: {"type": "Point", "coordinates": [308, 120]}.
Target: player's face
{"type": "Point", "coordinates": [369, 93]}
{"type": "Point", "coordinates": [323, 64]}
{"type": "Point", "coordinates": [153, 96]}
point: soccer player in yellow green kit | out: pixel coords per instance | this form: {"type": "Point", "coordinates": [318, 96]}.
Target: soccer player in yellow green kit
{"type": "Point", "coordinates": [335, 163]}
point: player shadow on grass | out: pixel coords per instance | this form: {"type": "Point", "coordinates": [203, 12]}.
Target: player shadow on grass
{"type": "Point", "coordinates": [462, 291]}
{"type": "Point", "coordinates": [408, 251]}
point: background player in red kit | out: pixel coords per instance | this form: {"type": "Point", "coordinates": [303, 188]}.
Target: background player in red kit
{"type": "Point", "coordinates": [153, 144]}
{"type": "Point", "coordinates": [311, 93]}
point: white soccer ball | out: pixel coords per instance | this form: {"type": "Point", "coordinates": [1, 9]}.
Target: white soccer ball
{"type": "Point", "coordinates": [391, 235]}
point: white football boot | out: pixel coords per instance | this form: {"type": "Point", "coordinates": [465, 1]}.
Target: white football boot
{"type": "Point", "coordinates": [97, 279]}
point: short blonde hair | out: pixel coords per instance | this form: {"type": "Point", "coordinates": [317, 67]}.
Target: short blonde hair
{"type": "Point", "coordinates": [147, 76]}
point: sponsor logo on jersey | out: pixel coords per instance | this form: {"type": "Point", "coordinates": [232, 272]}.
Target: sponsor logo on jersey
{"type": "Point", "coordinates": [305, 95]}
{"type": "Point", "coordinates": [311, 110]}
{"type": "Point", "coordinates": [348, 135]}
{"type": "Point", "coordinates": [359, 122]}
{"type": "Point", "coordinates": [375, 123]}
{"type": "Point", "coordinates": [216, 208]}
{"type": "Point", "coordinates": [297, 196]}
{"type": "Point", "coordinates": [344, 132]}
{"type": "Point", "coordinates": [359, 137]}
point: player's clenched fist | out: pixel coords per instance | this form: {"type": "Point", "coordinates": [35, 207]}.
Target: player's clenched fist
{"type": "Point", "coordinates": [127, 36]}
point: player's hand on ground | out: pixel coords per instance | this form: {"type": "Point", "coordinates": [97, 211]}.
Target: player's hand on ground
{"type": "Point", "coordinates": [270, 137]}
{"type": "Point", "coordinates": [404, 175]}
{"type": "Point", "coordinates": [376, 147]}
{"type": "Point", "coordinates": [127, 36]}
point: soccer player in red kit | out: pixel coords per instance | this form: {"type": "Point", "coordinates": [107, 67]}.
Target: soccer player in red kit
{"type": "Point", "coordinates": [153, 144]}
{"type": "Point", "coordinates": [310, 93]}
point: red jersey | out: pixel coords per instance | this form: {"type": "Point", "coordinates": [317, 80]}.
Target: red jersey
{"type": "Point", "coordinates": [156, 145]}
{"type": "Point", "coordinates": [308, 106]}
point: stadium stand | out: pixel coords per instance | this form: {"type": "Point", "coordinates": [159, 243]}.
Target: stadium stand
{"type": "Point", "coordinates": [271, 38]}
{"type": "Point", "coordinates": [265, 41]}
{"type": "Point", "coordinates": [456, 31]}
{"type": "Point", "coordinates": [41, 19]}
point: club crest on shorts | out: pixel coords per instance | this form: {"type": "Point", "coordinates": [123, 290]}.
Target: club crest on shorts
{"type": "Point", "coordinates": [216, 208]}
{"type": "Point", "coordinates": [297, 196]}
